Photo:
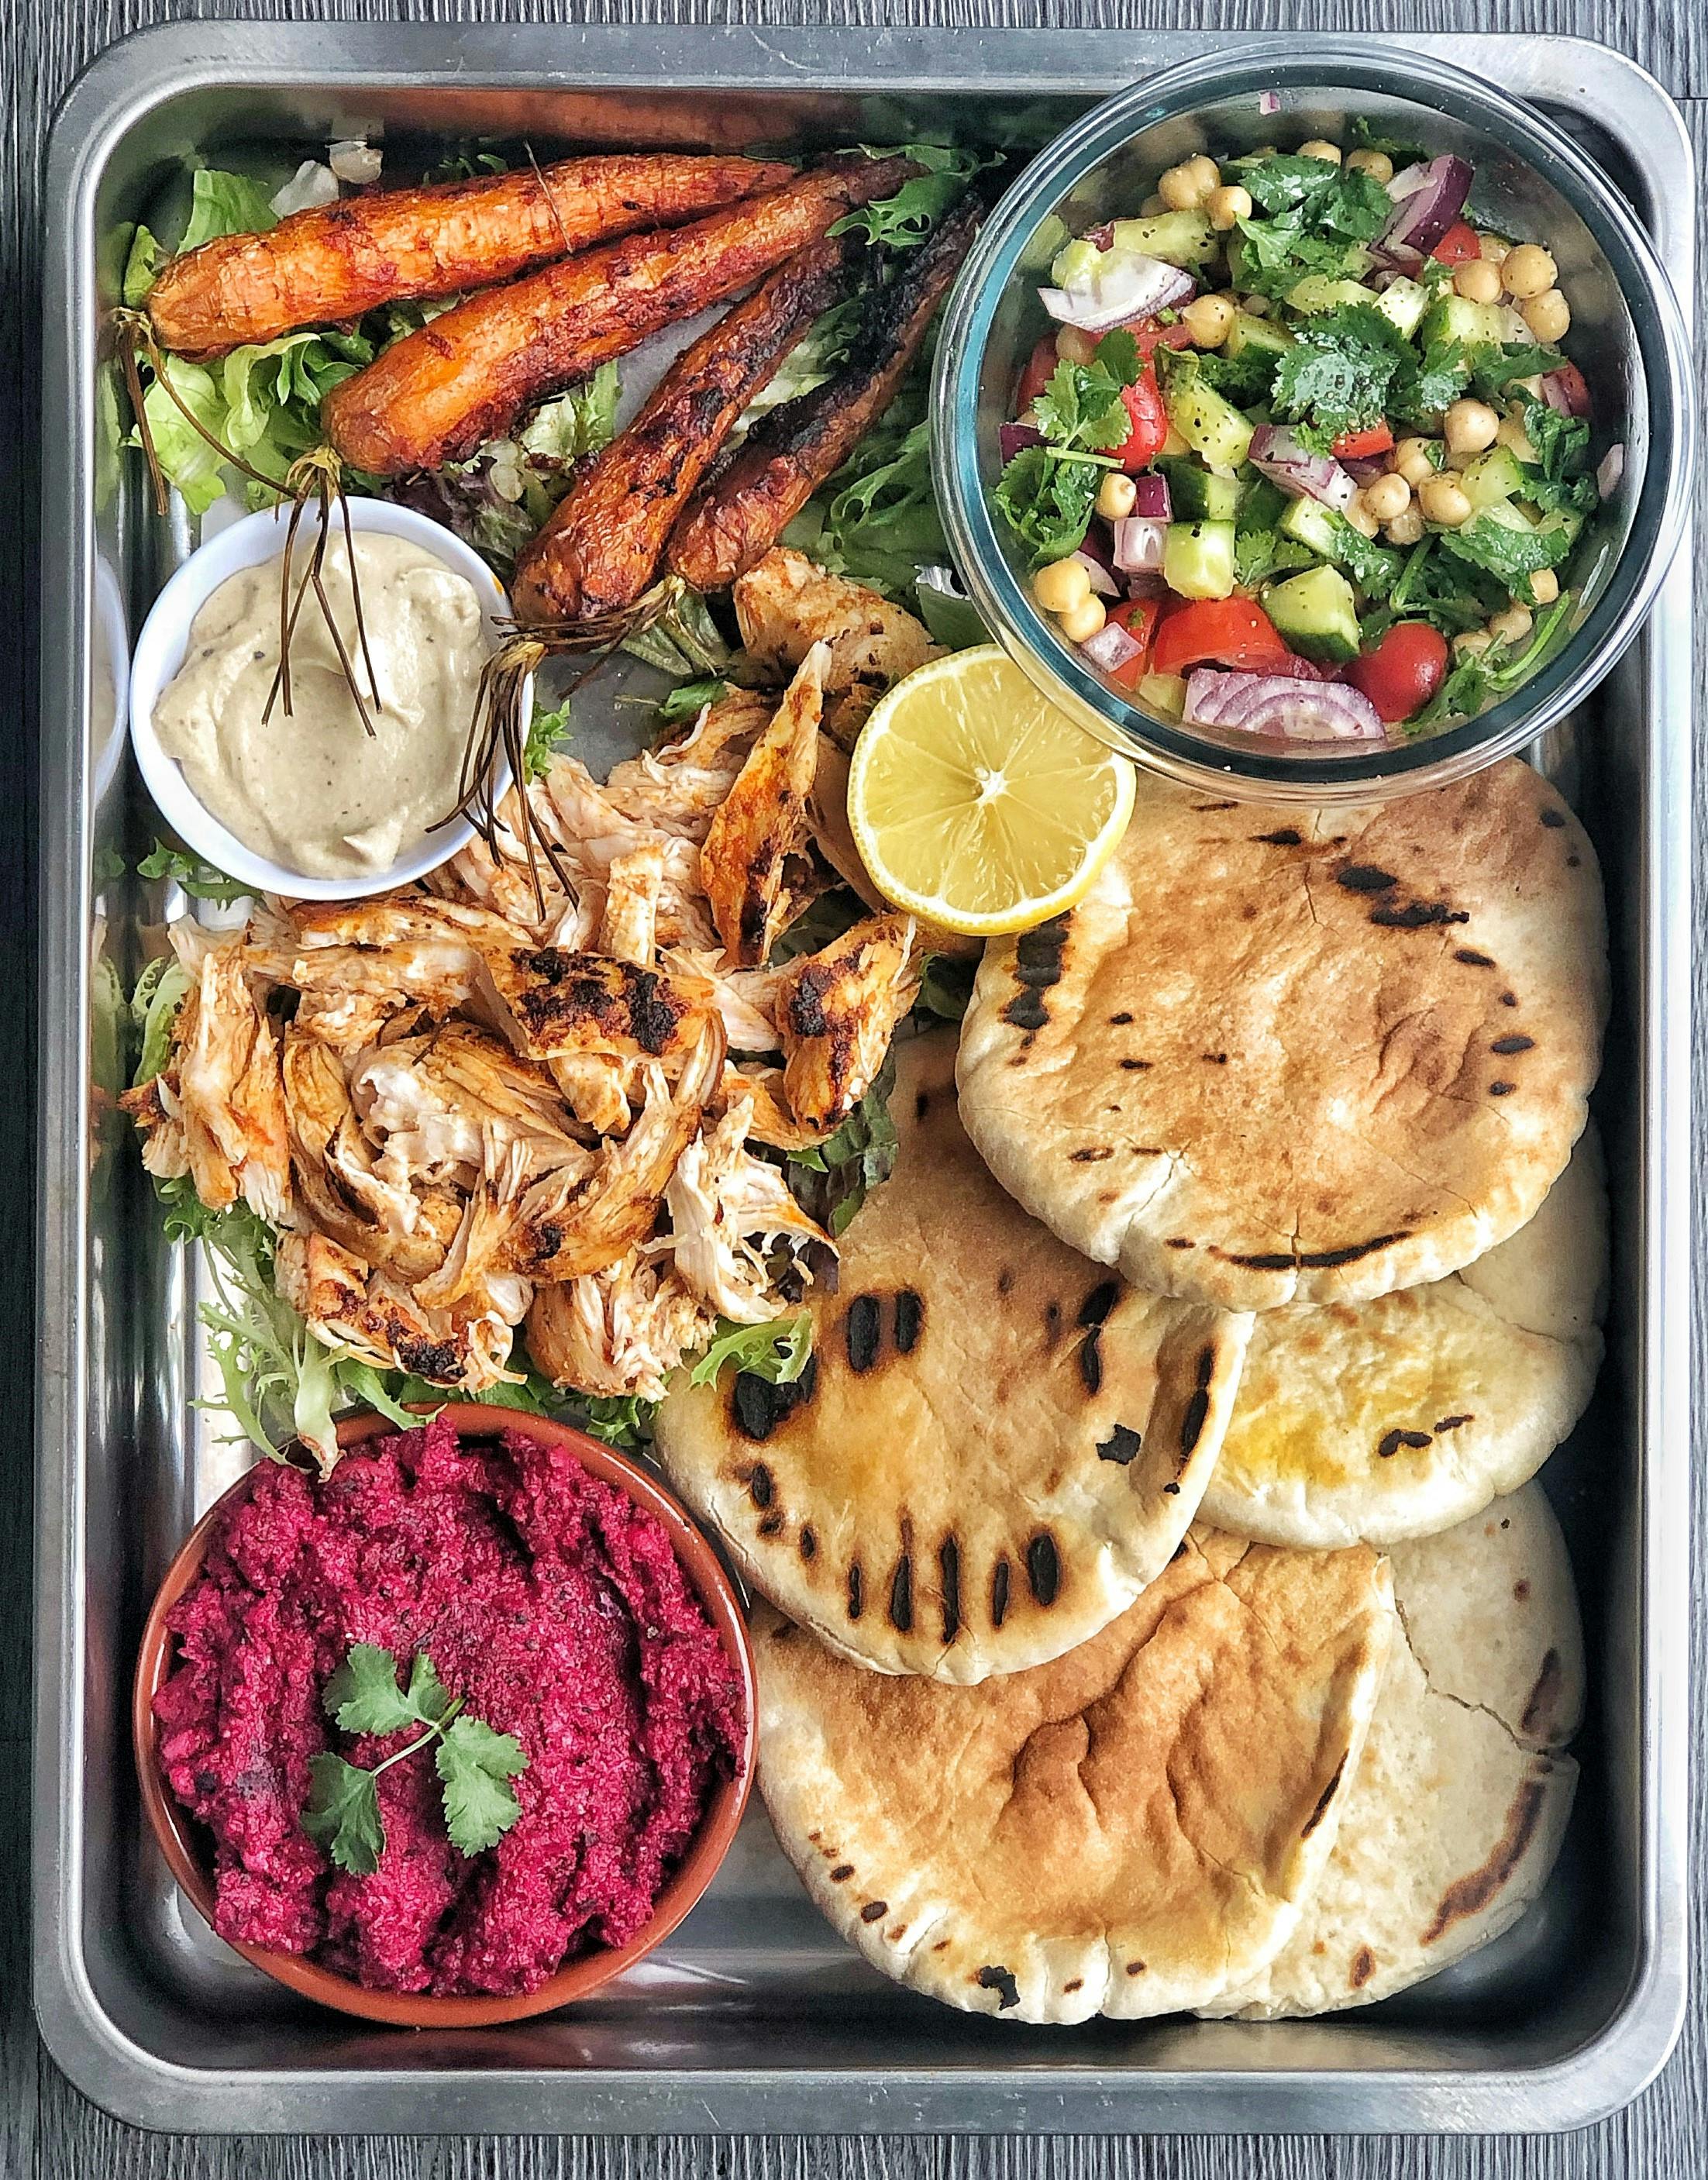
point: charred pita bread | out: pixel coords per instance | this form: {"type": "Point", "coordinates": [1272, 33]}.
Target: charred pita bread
{"type": "Point", "coordinates": [1369, 1422]}
{"type": "Point", "coordinates": [996, 1444]}
{"type": "Point", "coordinates": [1459, 1803]}
{"type": "Point", "coordinates": [1300, 1055]}
{"type": "Point", "coordinates": [1128, 1829]}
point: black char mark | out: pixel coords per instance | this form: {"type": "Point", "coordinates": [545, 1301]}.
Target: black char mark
{"type": "Point", "coordinates": [1000, 1980]}
{"type": "Point", "coordinates": [1327, 1795]}
{"type": "Point", "coordinates": [1043, 1568]}
{"type": "Point", "coordinates": [1506, 1046]}
{"type": "Point", "coordinates": [760, 1484]}
{"type": "Point", "coordinates": [999, 1593]}
{"type": "Point", "coordinates": [949, 1571]}
{"type": "Point", "coordinates": [1501, 1089]}
{"type": "Point", "coordinates": [1097, 1305]}
{"type": "Point", "coordinates": [1120, 1446]}
{"type": "Point", "coordinates": [1197, 1407]}
{"type": "Point", "coordinates": [864, 1329]}
{"type": "Point", "coordinates": [1284, 837]}
{"type": "Point", "coordinates": [910, 1318]}
{"type": "Point", "coordinates": [759, 1407]}
{"type": "Point", "coordinates": [1419, 916]}
{"type": "Point", "coordinates": [1472, 958]}
{"type": "Point", "coordinates": [1454, 1423]}
{"type": "Point", "coordinates": [1554, 818]}
{"type": "Point", "coordinates": [1037, 957]}
{"type": "Point", "coordinates": [1091, 1360]}
{"type": "Point", "coordinates": [1365, 878]}
{"type": "Point", "coordinates": [874, 1911]}
{"type": "Point", "coordinates": [1395, 1440]}
{"type": "Point", "coordinates": [1315, 1260]}
{"type": "Point", "coordinates": [856, 1590]}
{"type": "Point", "coordinates": [902, 1590]}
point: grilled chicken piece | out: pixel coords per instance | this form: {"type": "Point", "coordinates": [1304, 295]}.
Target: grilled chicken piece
{"type": "Point", "coordinates": [838, 1011]}
{"type": "Point", "coordinates": [678, 788]}
{"type": "Point", "coordinates": [347, 1306]}
{"type": "Point", "coordinates": [617, 1332]}
{"type": "Point", "coordinates": [786, 604]}
{"type": "Point", "coordinates": [597, 1087]}
{"type": "Point", "coordinates": [772, 1121]}
{"type": "Point", "coordinates": [338, 261]}
{"type": "Point", "coordinates": [750, 500]}
{"type": "Point", "coordinates": [436, 395]}
{"type": "Point", "coordinates": [553, 1004]}
{"type": "Point", "coordinates": [602, 544]}
{"type": "Point", "coordinates": [763, 822]}
{"type": "Point", "coordinates": [450, 1109]}
{"type": "Point", "coordinates": [629, 928]}
{"type": "Point", "coordinates": [406, 949]}
{"type": "Point", "coordinates": [563, 1228]}
{"type": "Point", "coordinates": [221, 1110]}
{"type": "Point", "coordinates": [745, 999]}
{"type": "Point", "coordinates": [728, 1210]}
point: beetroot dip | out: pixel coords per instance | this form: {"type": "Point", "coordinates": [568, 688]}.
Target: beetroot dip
{"type": "Point", "coordinates": [548, 1600]}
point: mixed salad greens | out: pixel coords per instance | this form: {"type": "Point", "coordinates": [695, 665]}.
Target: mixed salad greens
{"type": "Point", "coordinates": [1302, 455]}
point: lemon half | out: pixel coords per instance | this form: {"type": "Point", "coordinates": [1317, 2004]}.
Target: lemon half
{"type": "Point", "coordinates": [979, 805]}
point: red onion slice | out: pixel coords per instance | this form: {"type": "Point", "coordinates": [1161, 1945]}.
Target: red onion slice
{"type": "Point", "coordinates": [1150, 498]}
{"type": "Point", "coordinates": [1139, 544]}
{"type": "Point", "coordinates": [1111, 647]}
{"type": "Point", "coordinates": [1012, 439]}
{"type": "Point", "coordinates": [1612, 469]}
{"type": "Point", "coordinates": [1277, 453]}
{"type": "Point", "coordinates": [1269, 102]}
{"type": "Point", "coordinates": [1424, 212]}
{"type": "Point", "coordinates": [1103, 582]}
{"type": "Point", "coordinates": [1125, 284]}
{"type": "Point", "coordinates": [1281, 705]}
{"type": "Point", "coordinates": [1567, 390]}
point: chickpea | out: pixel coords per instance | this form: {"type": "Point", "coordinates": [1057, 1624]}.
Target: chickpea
{"type": "Point", "coordinates": [1116, 496]}
{"type": "Point", "coordinates": [1443, 500]}
{"type": "Point", "coordinates": [1376, 164]}
{"type": "Point", "coordinates": [1062, 586]}
{"type": "Point", "coordinates": [1209, 320]}
{"type": "Point", "coordinates": [1388, 496]}
{"type": "Point", "coordinates": [1074, 346]}
{"type": "Point", "coordinates": [1180, 189]}
{"type": "Point", "coordinates": [1544, 586]}
{"type": "Point", "coordinates": [1478, 282]}
{"type": "Point", "coordinates": [1471, 643]}
{"type": "Point", "coordinates": [1493, 248]}
{"type": "Point", "coordinates": [1528, 271]}
{"type": "Point", "coordinates": [1227, 206]}
{"type": "Point", "coordinates": [1206, 173]}
{"type": "Point", "coordinates": [1320, 148]}
{"type": "Point", "coordinates": [1358, 514]}
{"type": "Point", "coordinates": [1080, 623]}
{"type": "Point", "coordinates": [1405, 528]}
{"type": "Point", "coordinates": [1152, 205]}
{"type": "Point", "coordinates": [1412, 461]}
{"type": "Point", "coordinates": [1510, 432]}
{"type": "Point", "coordinates": [1512, 626]}
{"type": "Point", "coordinates": [1469, 426]}
{"type": "Point", "coordinates": [1548, 316]}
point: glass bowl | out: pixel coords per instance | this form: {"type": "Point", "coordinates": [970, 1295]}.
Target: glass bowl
{"type": "Point", "coordinates": [1627, 335]}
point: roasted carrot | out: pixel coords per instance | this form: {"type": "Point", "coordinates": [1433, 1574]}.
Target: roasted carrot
{"type": "Point", "coordinates": [317, 267]}
{"type": "Point", "coordinates": [603, 543]}
{"type": "Point", "coordinates": [435, 396]}
{"type": "Point", "coordinates": [750, 500]}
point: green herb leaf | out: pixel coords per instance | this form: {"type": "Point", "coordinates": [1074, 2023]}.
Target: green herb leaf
{"type": "Point", "coordinates": [1343, 201]}
{"type": "Point", "coordinates": [820, 924]}
{"type": "Point", "coordinates": [1339, 370]}
{"type": "Point", "coordinates": [1497, 671]}
{"type": "Point", "coordinates": [1081, 409]}
{"type": "Point", "coordinates": [159, 994]}
{"type": "Point", "coordinates": [830, 1182]}
{"type": "Point", "coordinates": [623, 1420]}
{"type": "Point", "coordinates": [904, 220]}
{"type": "Point", "coordinates": [1452, 597]}
{"type": "Point", "coordinates": [688, 699]}
{"type": "Point", "coordinates": [476, 1765]}
{"type": "Point", "coordinates": [1046, 504]}
{"type": "Point", "coordinates": [1512, 555]}
{"type": "Point", "coordinates": [364, 1696]}
{"type": "Point", "coordinates": [1258, 555]}
{"type": "Point", "coordinates": [946, 988]}
{"type": "Point", "coordinates": [684, 639]}
{"type": "Point", "coordinates": [547, 732]}
{"type": "Point", "coordinates": [199, 880]}
{"type": "Point", "coordinates": [1117, 353]}
{"type": "Point", "coordinates": [341, 1814]}
{"type": "Point", "coordinates": [779, 1353]}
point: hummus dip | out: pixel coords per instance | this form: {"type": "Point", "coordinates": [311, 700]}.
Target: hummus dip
{"type": "Point", "coordinates": [313, 790]}
{"type": "Point", "coordinates": [552, 1603]}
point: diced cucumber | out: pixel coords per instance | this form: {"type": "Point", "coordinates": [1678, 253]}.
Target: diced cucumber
{"type": "Point", "coordinates": [1456, 317]}
{"type": "Point", "coordinates": [1249, 333]}
{"type": "Point", "coordinates": [1494, 476]}
{"type": "Point", "coordinates": [1178, 238]}
{"type": "Point", "coordinates": [1078, 260]}
{"type": "Point", "coordinates": [1313, 525]}
{"type": "Point", "coordinates": [1164, 694]}
{"type": "Point", "coordinates": [1198, 495]}
{"type": "Point", "coordinates": [1403, 303]}
{"type": "Point", "coordinates": [1198, 559]}
{"type": "Point", "coordinates": [1373, 568]}
{"type": "Point", "coordinates": [1209, 423]}
{"type": "Point", "coordinates": [1317, 292]}
{"type": "Point", "coordinates": [1316, 614]}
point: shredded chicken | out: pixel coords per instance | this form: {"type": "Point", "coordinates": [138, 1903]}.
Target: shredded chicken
{"type": "Point", "coordinates": [786, 603]}
{"type": "Point", "coordinates": [838, 1011]}
{"type": "Point", "coordinates": [762, 822]}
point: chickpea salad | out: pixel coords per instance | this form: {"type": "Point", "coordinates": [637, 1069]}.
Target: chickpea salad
{"type": "Point", "coordinates": [1302, 455]}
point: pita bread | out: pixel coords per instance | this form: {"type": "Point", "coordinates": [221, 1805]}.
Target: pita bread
{"type": "Point", "coordinates": [1458, 1808]}
{"type": "Point", "coordinates": [1128, 1829]}
{"type": "Point", "coordinates": [1369, 1422]}
{"type": "Point", "coordinates": [996, 1447]}
{"type": "Point", "coordinates": [1293, 1055]}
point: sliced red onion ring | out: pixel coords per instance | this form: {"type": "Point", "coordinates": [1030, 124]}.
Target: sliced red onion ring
{"type": "Point", "coordinates": [1269, 102]}
{"type": "Point", "coordinates": [1612, 469]}
{"type": "Point", "coordinates": [1278, 704]}
{"type": "Point", "coordinates": [1150, 498]}
{"type": "Point", "coordinates": [1102, 238]}
{"type": "Point", "coordinates": [1102, 581]}
{"type": "Point", "coordinates": [1426, 210]}
{"type": "Point", "coordinates": [1138, 543]}
{"type": "Point", "coordinates": [1277, 453]}
{"type": "Point", "coordinates": [1408, 180]}
{"type": "Point", "coordinates": [1125, 284]}
{"type": "Point", "coordinates": [1364, 468]}
{"type": "Point", "coordinates": [1566, 391]}
{"type": "Point", "coordinates": [1111, 647]}
{"type": "Point", "coordinates": [1012, 439]}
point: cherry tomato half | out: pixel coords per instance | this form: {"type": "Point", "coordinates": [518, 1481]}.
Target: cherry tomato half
{"type": "Point", "coordinates": [1404, 670]}
{"type": "Point", "coordinates": [1144, 405]}
{"type": "Point", "coordinates": [1236, 632]}
{"type": "Point", "coordinates": [1139, 617]}
{"type": "Point", "coordinates": [1359, 446]}
{"type": "Point", "coordinates": [1040, 368]}
{"type": "Point", "coordinates": [1458, 245]}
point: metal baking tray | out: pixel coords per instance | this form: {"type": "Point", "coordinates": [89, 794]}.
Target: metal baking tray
{"type": "Point", "coordinates": [755, 2016]}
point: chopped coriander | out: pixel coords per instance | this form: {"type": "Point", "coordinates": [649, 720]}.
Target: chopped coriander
{"type": "Point", "coordinates": [1337, 375]}
{"type": "Point", "coordinates": [1497, 671]}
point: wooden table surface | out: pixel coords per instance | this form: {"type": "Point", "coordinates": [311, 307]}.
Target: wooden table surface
{"type": "Point", "coordinates": [47, 2129]}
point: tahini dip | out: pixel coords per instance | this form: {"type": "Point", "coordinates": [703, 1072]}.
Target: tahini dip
{"type": "Point", "coordinates": [315, 792]}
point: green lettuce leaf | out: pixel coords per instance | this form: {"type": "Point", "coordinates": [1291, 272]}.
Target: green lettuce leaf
{"type": "Point", "coordinates": [779, 1353]}
{"type": "Point", "coordinates": [224, 203]}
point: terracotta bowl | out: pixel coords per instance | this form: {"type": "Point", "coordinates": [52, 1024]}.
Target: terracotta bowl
{"type": "Point", "coordinates": [183, 1844]}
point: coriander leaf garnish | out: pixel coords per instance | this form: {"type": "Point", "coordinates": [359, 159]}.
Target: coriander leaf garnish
{"type": "Point", "coordinates": [474, 1762]}
{"type": "Point", "coordinates": [1081, 408]}
{"type": "Point", "coordinates": [1496, 671]}
{"type": "Point", "coordinates": [1343, 200]}
{"type": "Point", "coordinates": [1047, 504]}
{"type": "Point", "coordinates": [1340, 369]}
{"type": "Point", "coordinates": [475, 1766]}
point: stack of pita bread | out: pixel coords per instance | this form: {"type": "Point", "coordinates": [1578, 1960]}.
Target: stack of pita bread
{"type": "Point", "coordinates": [1162, 1611]}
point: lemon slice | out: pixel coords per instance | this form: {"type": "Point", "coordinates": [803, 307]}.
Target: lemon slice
{"type": "Point", "coordinates": [979, 804]}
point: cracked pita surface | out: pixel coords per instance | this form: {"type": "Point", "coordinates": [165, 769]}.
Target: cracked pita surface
{"type": "Point", "coordinates": [1280, 1056]}
{"type": "Point", "coordinates": [998, 1445]}
{"type": "Point", "coordinates": [1381, 1420]}
{"type": "Point", "coordinates": [1129, 1830]}
{"type": "Point", "coordinates": [1458, 1808]}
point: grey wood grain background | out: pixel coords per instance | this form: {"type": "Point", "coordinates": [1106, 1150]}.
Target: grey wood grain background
{"type": "Point", "coordinates": [49, 2132]}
